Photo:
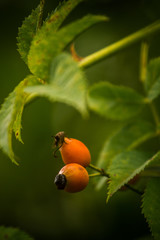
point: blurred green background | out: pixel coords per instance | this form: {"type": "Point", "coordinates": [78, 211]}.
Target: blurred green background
{"type": "Point", "coordinates": [28, 198]}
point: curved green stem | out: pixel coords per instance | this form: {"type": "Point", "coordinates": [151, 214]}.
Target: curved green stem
{"type": "Point", "coordinates": [119, 45]}
{"type": "Point", "coordinates": [143, 75]}
{"type": "Point", "coordinates": [143, 60]}
{"type": "Point", "coordinates": [95, 175]}
{"type": "Point", "coordinates": [99, 170]}
{"type": "Point", "coordinates": [30, 98]}
{"type": "Point", "coordinates": [33, 96]}
{"type": "Point", "coordinates": [95, 168]}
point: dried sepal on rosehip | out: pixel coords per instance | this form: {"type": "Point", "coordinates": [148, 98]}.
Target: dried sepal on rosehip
{"type": "Point", "coordinates": [72, 150]}
{"type": "Point", "coordinates": [72, 178]}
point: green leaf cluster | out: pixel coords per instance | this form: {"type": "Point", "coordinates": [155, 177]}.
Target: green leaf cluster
{"type": "Point", "coordinates": [11, 114]}
{"type": "Point", "coordinates": [64, 77]}
{"type": "Point", "coordinates": [54, 74]}
{"type": "Point", "coordinates": [125, 139]}
{"type": "Point", "coordinates": [42, 51]}
{"type": "Point", "coordinates": [115, 102]}
{"type": "Point", "coordinates": [127, 165]}
{"type": "Point", "coordinates": [121, 156]}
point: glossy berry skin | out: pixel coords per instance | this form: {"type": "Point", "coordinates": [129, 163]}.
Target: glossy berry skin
{"type": "Point", "coordinates": [72, 178]}
{"type": "Point", "coordinates": [72, 150]}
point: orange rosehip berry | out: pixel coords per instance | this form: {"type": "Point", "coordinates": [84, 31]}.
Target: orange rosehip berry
{"type": "Point", "coordinates": [72, 150]}
{"type": "Point", "coordinates": [72, 178]}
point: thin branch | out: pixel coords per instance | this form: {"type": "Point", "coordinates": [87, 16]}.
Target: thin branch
{"type": "Point", "coordinates": [95, 175]}
{"type": "Point", "coordinates": [143, 60]}
{"type": "Point", "coordinates": [101, 172]}
{"type": "Point", "coordinates": [119, 45]}
{"type": "Point", "coordinates": [143, 77]}
{"type": "Point", "coordinates": [133, 189]}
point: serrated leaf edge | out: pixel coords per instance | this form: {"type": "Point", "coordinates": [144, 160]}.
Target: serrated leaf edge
{"type": "Point", "coordinates": [137, 171]}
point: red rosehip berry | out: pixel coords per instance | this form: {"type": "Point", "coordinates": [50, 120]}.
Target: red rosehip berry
{"type": "Point", "coordinates": [72, 150]}
{"type": "Point", "coordinates": [72, 178]}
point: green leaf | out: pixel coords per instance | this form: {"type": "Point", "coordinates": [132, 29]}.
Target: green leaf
{"type": "Point", "coordinates": [154, 91]}
{"type": "Point", "coordinates": [47, 44]}
{"type": "Point", "coordinates": [56, 18]}
{"type": "Point", "coordinates": [153, 73]}
{"type": "Point", "coordinates": [10, 233]}
{"type": "Point", "coordinates": [67, 83]}
{"type": "Point", "coordinates": [125, 166]}
{"type": "Point", "coordinates": [10, 116]}
{"type": "Point", "coordinates": [151, 206]}
{"type": "Point", "coordinates": [127, 138]}
{"type": "Point", "coordinates": [26, 33]}
{"type": "Point", "coordinates": [153, 79]}
{"type": "Point", "coordinates": [114, 102]}
{"type": "Point", "coordinates": [6, 121]}
{"type": "Point", "coordinates": [21, 98]}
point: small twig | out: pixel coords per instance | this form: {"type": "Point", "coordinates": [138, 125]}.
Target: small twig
{"type": "Point", "coordinates": [119, 45]}
{"type": "Point", "coordinates": [143, 76]}
{"type": "Point", "coordinates": [143, 60]}
{"type": "Point", "coordinates": [101, 172]}
{"type": "Point", "coordinates": [133, 189]}
{"type": "Point", "coordinates": [95, 175]}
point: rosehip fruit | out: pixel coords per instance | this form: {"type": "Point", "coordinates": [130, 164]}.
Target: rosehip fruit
{"type": "Point", "coordinates": [72, 178]}
{"type": "Point", "coordinates": [72, 150]}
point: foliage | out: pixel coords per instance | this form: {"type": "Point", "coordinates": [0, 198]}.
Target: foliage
{"type": "Point", "coordinates": [57, 76]}
{"type": "Point", "coordinates": [10, 233]}
{"type": "Point", "coordinates": [39, 55]}
{"type": "Point", "coordinates": [26, 33]}
{"type": "Point", "coordinates": [42, 52]}
{"type": "Point", "coordinates": [115, 102]}
{"type": "Point", "coordinates": [151, 208]}
{"type": "Point", "coordinates": [67, 83]}
{"type": "Point", "coordinates": [127, 165]}
{"type": "Point", "coordinates": [127, 138]}
{"type": "Point", "coordinates": [152, 83]}
{"type": "Point", "coordinates": [11, 114]}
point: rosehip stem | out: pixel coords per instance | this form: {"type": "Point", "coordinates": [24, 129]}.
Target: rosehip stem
{"type": "Point", "coordinates": [133, 189]}
{"type": "Point", "coordinates": [119, 45]}
{"type": "Point", "coordinates": [101, 172]}
{"type": "Point", "coordinates": [95, 175]}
